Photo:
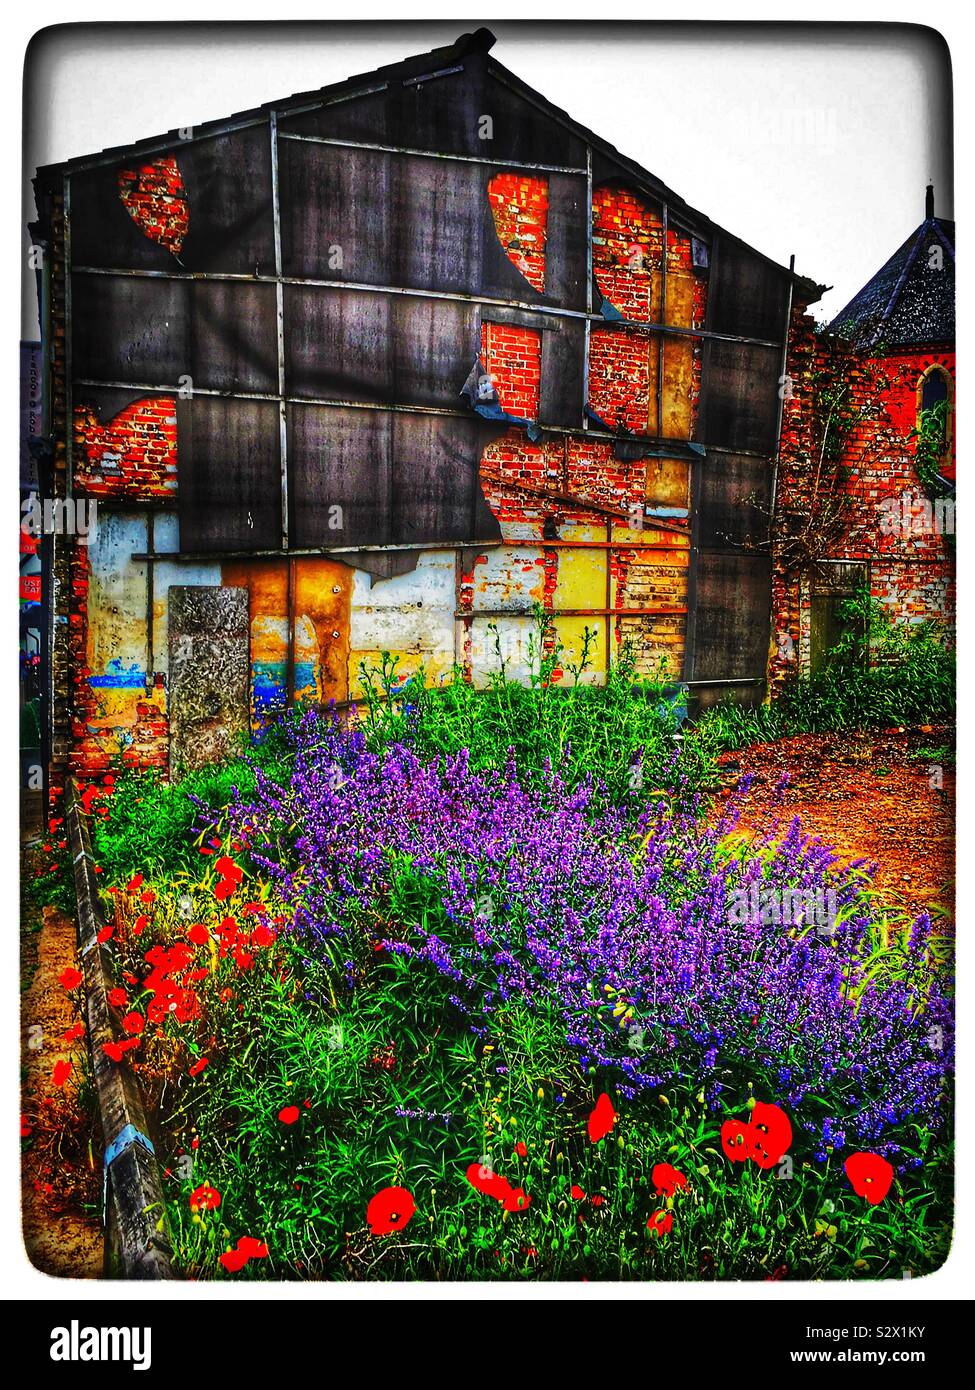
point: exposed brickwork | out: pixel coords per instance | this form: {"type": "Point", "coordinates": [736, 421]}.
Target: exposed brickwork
{"type": "Point", "coordinates": [512, 357]}
{"type": "Point", "coordinates": [133, 456]}
{"type": "Point", "coordinates": [623, 379]}
{"type": "Point", "coordinates": [627, 252]}
{"type": "Point", "coordinates": [155, 199]}
{"type": "Point", "coordinates": [911, 566]}
{"type": "Point", "coordinates": [624, 365]}
{"type": "Point", "coordinates": [519, 205]}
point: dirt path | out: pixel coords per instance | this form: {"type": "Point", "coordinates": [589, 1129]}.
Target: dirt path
{"type": "Point", "coordinates": [886, 796]}
{"type": "Point", "coordinates": [59, 1167]}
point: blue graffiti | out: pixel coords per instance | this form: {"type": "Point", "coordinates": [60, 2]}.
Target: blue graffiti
{"type": "Point", "coordinates": [119, 677]}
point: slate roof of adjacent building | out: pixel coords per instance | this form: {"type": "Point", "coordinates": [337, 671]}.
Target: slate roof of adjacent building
{"type": "Point", "coordinates": [910, 302]}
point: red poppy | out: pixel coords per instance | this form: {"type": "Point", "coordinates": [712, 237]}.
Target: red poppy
{"type": "Point", "coordinates": [736, 1141]}
{"type": "Point", "coordinates": [133, 1022]}
{"type": "Point", "coordinates": [205, 1198]}
{"type": "Point", "coordinates": [147, 897]}
{"type": "Point", "coordinates": [251, 1247]}
{"type": "Point", "coordinates": [234, 1260]}
{"type": "Point", "coordinates": [770, 1134]}
{"type": "Point", "coordinates": [598, 1201]}
{"type": "Point", "coordinates": [118, 997]}
{"type": "Point", "coordinates": [262, 935]}
{"type": "Point", "coordinates": [197, 1067]}
{"type": "Point", "coordinates": [521, 1149]}
{"type": "Point", "coordinates": [25, 1127]}
{"type": "Point", "coordinates": [602, 1119]}
{"type": "Point", "coordinates": [667, 1179]}
{"type": "Point", "coordinates": [139, 925]}
{"type": "Point", "coordinates": [76, 1031]}
{"type": "Point", "coordinates": [115, 1050]}
{"type": "Point", "coordinates": [198, 934]}
{"type": "Point", "coordinates": [224, 889]}
{"type": "Point", "coordinates": [493, 1185]}
{"type": "Point", "coordinates": [660, 1223]}
{"type": "Point", "coordinates": [62, 1070]}
{"type": "Point", "coordinates": [134, 884]}
{"type": "Point", "coordinates": [105, 934]}
{"type": "Point", "coordinates": [576, 1193]}
{"type": "Point", "coordinates": [289, 1114]}
{"type": "Point", "coordinates": [70, 978]}
{"type": "Point", "coordinates": [870, 1176]}
{"type": "Point", "coordinates": [390, 1210]}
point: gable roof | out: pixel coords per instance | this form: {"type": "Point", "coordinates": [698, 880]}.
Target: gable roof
{"type": "Point", "coordinates": [421, 66]}
{"type": "Point", "coordinates": [910, 302]}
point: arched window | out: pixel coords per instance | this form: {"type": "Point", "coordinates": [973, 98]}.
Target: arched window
{"type": "Point", "coordinates": [935, 407]}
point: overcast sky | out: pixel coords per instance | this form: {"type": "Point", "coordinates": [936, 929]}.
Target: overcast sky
{"type": "Point", "coordinates": [816, 140]}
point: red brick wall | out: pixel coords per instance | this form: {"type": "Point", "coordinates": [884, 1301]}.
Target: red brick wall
{"type": "Point", "coordinates": [911, 567]}
{"type": "Point", "coordinates": [520, 208]}
{"type": "Point", "coordinates": [156, 201]}
{"type": "Point", "coordinates": [512, 357]}
{"type": "Point", "coordinates": [133, 455]}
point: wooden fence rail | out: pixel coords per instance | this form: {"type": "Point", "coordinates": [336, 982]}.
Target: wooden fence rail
{"type": "Point", "coordinates": [137, 1240]}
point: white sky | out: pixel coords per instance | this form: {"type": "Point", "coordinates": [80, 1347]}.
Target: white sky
{"type": "Point", "coordinates": [808, 139]}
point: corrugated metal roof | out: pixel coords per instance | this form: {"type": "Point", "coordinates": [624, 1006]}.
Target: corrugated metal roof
{"type": "Point", "coordinates": [910, 302]}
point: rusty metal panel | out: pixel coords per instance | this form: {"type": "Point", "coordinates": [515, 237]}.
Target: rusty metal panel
{"type": "Point", "coordinates": [209, 669]}
{"type": "Point", "coordinates": [229, 474]}
{"type": "Point", "coordinates": [740, 397]}
{"type": "Point", "coordinates": [734, 594]}
{"type": "Point", "coordinates": [436, 487]}
{"type": "Point", "coordinates": [445, 114]}
{"type": "Point", "coordinates": [375, 218]}
{"type": "Point", "coordinates": [746, 295]}
{"type": "Point", "coordinates": [227, 183]}
{"type": "Point", "coordinates": [338, 344]}
{"type": "Point", "coordinates": [339, 476]}
{"type": "Point", "coordinates": [567, 233]}
{"type": "Point", "coordinates": [336, 213]}
{"type": "Point", "coordinates": [735, 492]}
{"type": "Point", "coordinates": [563, 374]}
{"type": "Point", "coordinates": [346, 345]}
{"type": "Point", "coordinates": [220, 334]}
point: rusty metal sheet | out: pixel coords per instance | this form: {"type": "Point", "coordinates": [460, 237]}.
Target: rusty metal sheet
{"type": "Point", "coordinates": [733, 598]}
{"type": "Point", "coordinates": [746, 295]}
{"type": "Point", "coordinates": [336, 213]}
{"type": "Point", "coordinates": [338, 344]}
{"type": "Point", "coordinates": [209, 669]}
{"type": "Point", "coordinates": [218, 335]}
{"type": "Point", "coordinates": [735, 491]}
{"type": "Point", "coordinates": [339, 472]}
{"type": "Point", "coordinates": [445, 113]}
{"type": "Point", "coordinates": [739, 408]}
{"type": "Point", "coordinates": [436, 487]}
{"type": "Point", "coordinates": [227, 182]}
{"type": "Point", "coordinates": [563, 375]}
{"type": "Point", "coordinates": [384, 219]}
{"type": "Point", "coordinates": [229, 474]}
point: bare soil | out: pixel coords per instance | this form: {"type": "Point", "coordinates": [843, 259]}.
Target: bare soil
{"type": "Point", "coordinates": [60, 1160]}
{"type": "Point", "coordinates": [885, 796]}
